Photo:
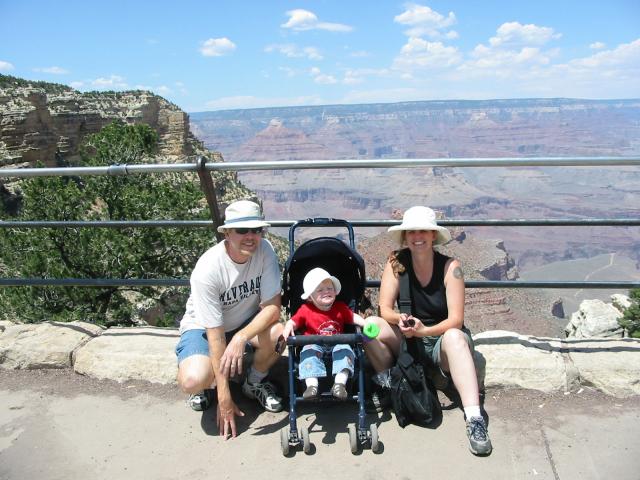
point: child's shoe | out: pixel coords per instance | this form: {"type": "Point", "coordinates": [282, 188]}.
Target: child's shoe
{"type": "Point", "coordinates": [310, 393]}
{"type": "Point", "coordinates": [339, 391]}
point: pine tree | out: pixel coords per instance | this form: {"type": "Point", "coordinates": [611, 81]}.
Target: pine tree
{"type": "Point", "coordinates": [104, 252]}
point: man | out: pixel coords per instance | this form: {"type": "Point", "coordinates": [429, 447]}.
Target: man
{"type": "Point", "coordinates": [235, 300]}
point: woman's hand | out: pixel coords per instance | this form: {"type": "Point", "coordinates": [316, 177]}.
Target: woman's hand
{"type": "Point", "coordinates": [408, 325]}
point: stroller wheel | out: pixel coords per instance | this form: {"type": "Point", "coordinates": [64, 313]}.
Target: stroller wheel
{"type": "Point", "coordinates": [284, 440]}
{"type": "Point", "coordinates": [353, 439]}
{"type": "Point", "coordinates": [306, 443]}
{"type": "Point", "coordinates": [375, 444]}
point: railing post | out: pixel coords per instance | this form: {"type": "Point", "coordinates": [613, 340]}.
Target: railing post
{"type": "Point", "coordinates": [209, 189]}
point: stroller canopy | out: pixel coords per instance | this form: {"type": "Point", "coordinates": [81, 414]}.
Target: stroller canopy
{"type": "Point", "coordinates": [337, 258]}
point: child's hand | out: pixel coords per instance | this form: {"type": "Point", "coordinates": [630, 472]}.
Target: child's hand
{"type": "Point", "coordinates": [289, 327]}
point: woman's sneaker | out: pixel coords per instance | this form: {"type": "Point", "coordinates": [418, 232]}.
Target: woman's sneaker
{"type": "Point", "coordinates": [265, 393]}
{"type": "Point", "coordinates": [379, 402]}
{"type": "Point", "coordinates": [479, 442]}
{"type": "Point", "coordinates": [199, 401]}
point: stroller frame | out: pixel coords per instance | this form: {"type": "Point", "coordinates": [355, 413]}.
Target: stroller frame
{"type": "Point", "coordinates": [352, 292]}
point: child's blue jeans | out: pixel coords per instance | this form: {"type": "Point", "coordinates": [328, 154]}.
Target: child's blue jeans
{"type": "Point", "coordinates": [312, 360]}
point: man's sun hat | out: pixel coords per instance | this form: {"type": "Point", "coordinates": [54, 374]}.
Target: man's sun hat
{"type": "Point", "coordinates": [420, 218]}
{"type": "Point", "coordinates": [243, 214]}
{"type": "Point", "coordinates": [314, 278]}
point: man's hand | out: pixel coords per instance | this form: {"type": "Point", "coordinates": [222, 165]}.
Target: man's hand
{"type": "Point", "coordinates": [226, 417]}
{"type": "Point", "coordinates": [231, 360]}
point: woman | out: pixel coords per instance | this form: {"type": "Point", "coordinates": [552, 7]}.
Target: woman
{"type": "Point", "coordinates": [431, 285]}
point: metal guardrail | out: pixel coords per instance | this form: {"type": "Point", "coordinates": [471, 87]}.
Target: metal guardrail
{"type": "Point", "coordinates": [559, 222]}
{"type": "Point", "coordinates": [119, 170]}
{"type": "Point", "coordinates": [201, 167]}
{"type": "Point", "coordinates": [184, 282]}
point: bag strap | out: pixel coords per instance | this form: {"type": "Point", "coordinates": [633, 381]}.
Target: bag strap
{"type": "Point", "coordinates": [404, 305]}
{"type": "Point", "coordinates": [410, 346]}
{"type": "Point", "coordinates": [404, 297]}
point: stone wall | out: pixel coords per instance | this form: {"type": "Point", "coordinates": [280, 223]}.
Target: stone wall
{"type": "Point", "coordinates": [503, 359]}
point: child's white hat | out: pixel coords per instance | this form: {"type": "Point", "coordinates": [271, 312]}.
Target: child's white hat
{"type": "Point", "coordinates": [314, 278]}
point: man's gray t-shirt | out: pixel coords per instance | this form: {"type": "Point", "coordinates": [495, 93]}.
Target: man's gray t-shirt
{"type": "Point", "coordinates": [227, 293]}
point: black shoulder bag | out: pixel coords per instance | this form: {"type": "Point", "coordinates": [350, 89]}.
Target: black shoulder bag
{"type": "Point", "coordinates": [413, 397]}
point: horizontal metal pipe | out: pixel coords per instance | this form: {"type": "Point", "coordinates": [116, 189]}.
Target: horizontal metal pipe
{"type": "Point", "coordinates": [536, 284]}
{"type": "Point", "coordinates": [161, 282]}
{"type": "Point", "coordinates": [429, 162]}
{"type": "Point", "coordinates": [93, 282]}
{"type": "Point", "coordinates": [106, 224]}
{"type": "Point", "coordinates": [559, 222]}
{"type": "Point", "coordinates": [117, 170]}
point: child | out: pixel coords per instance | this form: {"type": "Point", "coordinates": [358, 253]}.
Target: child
{"type": "Point", "coordinates": [322, 315]}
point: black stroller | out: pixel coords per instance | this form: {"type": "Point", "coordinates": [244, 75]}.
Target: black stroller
{"type": "Point", "coordinates": [344, 262]}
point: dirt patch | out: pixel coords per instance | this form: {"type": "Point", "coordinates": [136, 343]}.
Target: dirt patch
{"type": "Point", "coordinates": [513, 404]}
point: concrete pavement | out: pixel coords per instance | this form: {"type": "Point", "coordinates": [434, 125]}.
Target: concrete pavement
{"type": "Point", "coordinates": [55, 424]}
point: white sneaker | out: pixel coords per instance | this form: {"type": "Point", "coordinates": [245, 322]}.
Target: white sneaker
{"type": "Point", "coordinates": [199, 401]}
{"type": "Point", "coordinates": [264, 393]}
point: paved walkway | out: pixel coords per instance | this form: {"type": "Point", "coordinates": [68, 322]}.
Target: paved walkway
{"type": "Point", "coordinates": [55, 424]}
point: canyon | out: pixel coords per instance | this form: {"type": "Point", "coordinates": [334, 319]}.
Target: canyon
{"type": "Point", "coordinates": [46, 123]}
{"type": "Point", "coordinates": [455, 129]}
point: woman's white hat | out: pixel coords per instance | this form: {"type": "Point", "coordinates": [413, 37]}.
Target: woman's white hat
{"type": "Point", "coordinates": [314, 278]}
{"type": "Point", "coordinates": [420, 218]}
{"type": "Point", "coordinates": [243, 214]}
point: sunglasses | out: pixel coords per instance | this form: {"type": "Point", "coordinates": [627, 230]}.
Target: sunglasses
{"type": "Point", "coordinates": [244, 231]}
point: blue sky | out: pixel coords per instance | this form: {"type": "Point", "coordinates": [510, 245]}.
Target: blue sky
{"type": "Point", "coordinates": [212, 55]}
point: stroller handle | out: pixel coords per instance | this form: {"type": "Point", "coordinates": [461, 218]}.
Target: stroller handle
{"type": "Point", "coordinates": [320, 222]}
{"type": "Point", "coordinates": [300, 340]}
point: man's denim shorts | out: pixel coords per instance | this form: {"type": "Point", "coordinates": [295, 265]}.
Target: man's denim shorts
{"type": "Point", "coordinates": [312, 360]}
{"type": "Point", "coordinates": [194, 342]}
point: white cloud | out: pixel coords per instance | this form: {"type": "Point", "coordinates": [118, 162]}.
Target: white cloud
{"type": "Point", "coordinates": [513, 52]}
{"type": "Point", "coordinates": [626, 55]}
{"type": "Point", "coordinates": [289, 72]}
{"type": "Point", "coordinates": [597, 46]}
{"type": "Point", "coordinates": [425, 21]}
{"type": "Point", "coordinates": [114, 82]}
{"type": "Point", "coordinates": [487, 58]}
{"type": "Point", "coordinates": [385, 95]}
{"type": "Point", "coordinates": [54, 70]}
{"type": "Point", "coordinates": [324, 79]}
{"type": "Point", "coordinates": [355, 76]}
{"type": "Point", "coordinates": [217, 47]}
{"type": "Point", "coordinates": [77, 85]}
{"type": "Point", "coordinates": [514, 33]}
{"type": "Point", "coordinates": [230, 103]}
{"type": "Point", "coordinates": [6, 66]}
{"type": "Point", "coordinates": [419, 53]}
{"type": "Point", "coordinates": [352, 78]}
{"type": "Point", "coordinates": [301, 20]}
{"type": "Point", "coordinates": [360, 54]}
{"type": "Point", "coordinates": [293, 51]}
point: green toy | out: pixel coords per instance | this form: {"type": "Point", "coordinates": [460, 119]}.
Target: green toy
{"type": "Point", "coordinates": [371, 330]}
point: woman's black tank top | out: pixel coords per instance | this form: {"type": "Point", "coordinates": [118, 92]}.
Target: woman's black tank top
{"type": "Point", "coordinates": [429, 303]}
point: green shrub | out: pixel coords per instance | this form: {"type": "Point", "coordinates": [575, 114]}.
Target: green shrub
{"type": "Point", "coordinates": [104, 252]}
{"type": "Point", "coordinates": [630, 320]}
